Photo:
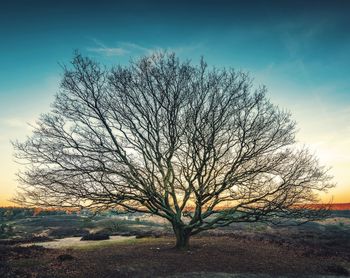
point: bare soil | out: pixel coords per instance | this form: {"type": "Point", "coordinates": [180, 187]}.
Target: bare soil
{"type": "Point", "coordinates": [156, 257]}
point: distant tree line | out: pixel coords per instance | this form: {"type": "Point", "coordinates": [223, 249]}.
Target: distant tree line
{"type": "Point", "coordinates": [13, 213]}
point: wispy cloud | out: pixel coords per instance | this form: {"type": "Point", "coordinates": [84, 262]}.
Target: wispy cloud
{"type": "Point", "coordinates": [133, 47]}
{"type": "Point", "coordinates": [123, 48]}
{"type": "Point", "coordinates": [101, 48]}
{"type": "Point", "coordinates": [109, 51]}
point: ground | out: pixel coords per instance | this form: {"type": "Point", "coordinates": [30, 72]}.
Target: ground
{"type": "Point", "coordinates": [156, 257]}
{"type": "Point", "coordinates": [318, 249]}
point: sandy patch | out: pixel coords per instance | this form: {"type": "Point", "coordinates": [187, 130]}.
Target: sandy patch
{"type": "Point", "coordinates": [72, 242]}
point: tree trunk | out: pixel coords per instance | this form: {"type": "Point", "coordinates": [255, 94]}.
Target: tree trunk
{"type": "Point", "coordinates": [182, 237]}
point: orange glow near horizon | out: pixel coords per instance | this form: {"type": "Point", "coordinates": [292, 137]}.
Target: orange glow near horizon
{"type": "Point", "coordinates": [334, 196]}
{"type": "Point", "coordinates": [6, 203]}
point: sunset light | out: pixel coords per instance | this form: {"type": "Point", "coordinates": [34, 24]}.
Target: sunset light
{"type": "Point", "coordinates": [174, 138]}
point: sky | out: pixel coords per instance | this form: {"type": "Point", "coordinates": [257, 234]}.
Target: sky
{"type": "Point", "coordinates": [299, 49]}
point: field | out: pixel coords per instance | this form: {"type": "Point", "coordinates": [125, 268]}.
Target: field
{"type": "Point", "coordinates": [141, 246]}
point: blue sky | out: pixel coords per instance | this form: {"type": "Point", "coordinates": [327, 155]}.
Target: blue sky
{"type": "Point", "coordinates": [299, 49]}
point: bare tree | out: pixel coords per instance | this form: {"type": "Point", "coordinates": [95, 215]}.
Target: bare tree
{"type": "Point", "coordinates": [199, 147]}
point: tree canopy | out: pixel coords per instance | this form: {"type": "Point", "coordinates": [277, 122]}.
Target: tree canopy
{"type": "Point", "coordinates": [198, 146]}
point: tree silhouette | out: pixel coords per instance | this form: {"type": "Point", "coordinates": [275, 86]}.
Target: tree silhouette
{"type": "Point", "coordinates": [197, 146]}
